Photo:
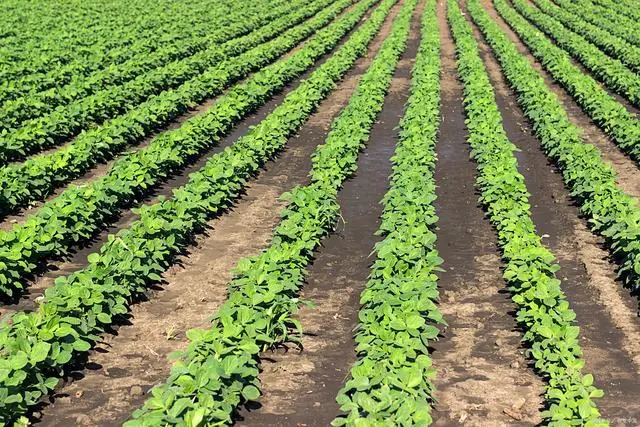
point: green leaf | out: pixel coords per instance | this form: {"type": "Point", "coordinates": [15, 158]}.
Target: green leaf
{"type": "Point", "coordinates": [414, 322]}
{"type": "Point", "coordinates": [40, 351]}
{"type": "Point", "coordinates": [104, 318]}
{"type": "Point", "coordinates": [81, 345]}
{"type": "Point", "coordinates": [19, 361]}
{"type": "Point", "coordinates": [250, 392]}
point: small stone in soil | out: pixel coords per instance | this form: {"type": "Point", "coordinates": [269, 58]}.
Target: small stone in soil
{"type": "Point", "coordinates": [83, 420]}
{"type": "Point", "coordinates": [64, 400]}
{"type": "Point", "coordinates": [136, 390]}
{"type": "Point", "coordinates": [513, 414]}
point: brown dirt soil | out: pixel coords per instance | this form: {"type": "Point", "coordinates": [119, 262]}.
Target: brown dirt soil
{"type": "Point", "coordinates": [610, 332]}
{"type": "Point", "coordinates": [300, 386]}
{"type": "Point", "coordinates": [483, 377]}
{"type": "Point", "coordinates": [626, 169]}
{"type": "Point", "coordinates": [110, 392]}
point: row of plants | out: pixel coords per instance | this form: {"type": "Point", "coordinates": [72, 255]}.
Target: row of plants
{"type": "Point", "coordinates": [391, 381]}
{"type": "Point", "coordinates": [37, 103]}
{"type": "Point", "coordinates": [592, 182]}
{"type": "Point", "coordinates": [604, 18]}
{"type": "Point", "coordinates": [104, 38]}
{"type": "Point", "coordinates": [610, 71]}
{"type": "Point", "coordinates": [218, 372]}
{"type": "Point", "coordinates": [80, 212]}
{"type": "Point", "coordinates": [41, 19]}
{"type": "Point", "coordinates": [86, 63]}
{"type": "Point", "coordinates": [58, 125]}
{"type": "Point", "coordinates": [37, 177]}
{"type": "Point", "coordinates": [614, 119]}
{"type": "Point", "coordinates": [34, 22]}
{"type": "Point", "coordinates": [47, 62]}
{"type": "Point", "coordinates": [621, 8]}
{"type": "Point", "coordinates": [26, 17]}
{"type": "Point", "coordinates": [36, 347]}
{"type": "Point", "coordinates": [612, 45]}
{"type": "Point", "coordinates": [542, 308]}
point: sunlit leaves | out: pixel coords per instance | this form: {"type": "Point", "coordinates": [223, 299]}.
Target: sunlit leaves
{"type": "Point", "coordinates": [75, 310]}
{"type": "Point", "coordinates": [530, 268]}
{"type": "Point", "coordinates": [80, 212]}
{"type": "Point", "coordinates": [613, 118]}
{"type": "Point", "coordinates": [391, 381]}
{"type": "Point", "coordinates": [258, 313]}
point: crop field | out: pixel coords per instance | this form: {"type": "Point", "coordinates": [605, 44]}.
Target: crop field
{"type": "Point", "coordinates": [361, 213]}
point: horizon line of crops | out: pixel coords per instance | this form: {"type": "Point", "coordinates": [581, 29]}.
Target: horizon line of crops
{"type": "Point", "coordinates": [542, 308]}
{"type": "Point", "coordinates": [23, 76]}
{"type": "Point", "coordinates": [612, 45]}
{"type": "Point", "coordinates": [390, 382]}
{"type": "Point", "coordinates": [621, 8]}
{"type": "Point", "coordinates": [612, 72]}
{"type": "Point", "coordinates": [611, 212]}
{"type": "Point", "coordinates": [39, 102]}
{"type": "Point", "coordinates": [77, 24]}
{"type": "Point", "coordinates": [606, 112]}
{"type": "Point", "coordinates": [79, 213]}
{"type": "Point", "coordinates": [75, 85]}
{"type": "Point", "coordinates": [35, 20]}
{"type": "Point", "coordinates": [62, 123]}
{"type": "Point", "coordinates": [219, 369]}
{"type": "Point", "coordinates": [65, 325]}
{"type": "Point", "coordinates": [39, 176]}
{"type": "Point", "coordinates": [95, 50]}
{"type": "Point", "coordinates": [605, 19]}
{"type": "Point", "coordinates": [612, 14]}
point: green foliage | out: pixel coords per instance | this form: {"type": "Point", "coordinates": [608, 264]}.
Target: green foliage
{"type": "Point", "coordinates": [606, 18]}
{"type": "Point", "coordinates": [37, 177]}
{"type": "Point", "coordinates": [79, 307]}
{"type": "Point", "coordinates": [622, 9]}
{"type": "Point", "coordinates": [543, 311]}
{"type": "Point", "coordinates": [614, 119]}
{"type": "Point", "coordinates": [80, 212]}
{"type": "Point", "coordinates": [112, 100]}
{"type": "Point", "coordinates": [38, 103]}
{"type": "Point", "coordinates": [262, 296]}
{"type": "Point", "coordinates": [610, 71]}
{"type": "Point", "coordinates": [611, 212]}
{"type": "Point", "coordinates": [37, 59]}
{"type": "Point", "coordinates": [612, 45]}
{"type": "Point", "coordinates": [390, 382]}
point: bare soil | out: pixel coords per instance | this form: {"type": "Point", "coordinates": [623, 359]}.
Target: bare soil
{"type": "Point", "coordinates": [610, 329]}
{"type": "Point", "coordinates": [483, 377]}
{"type": "Point", "coordinates": [300, 386]}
